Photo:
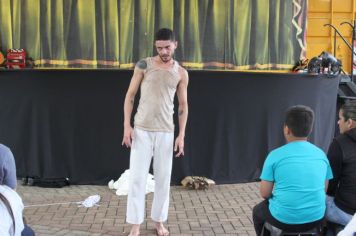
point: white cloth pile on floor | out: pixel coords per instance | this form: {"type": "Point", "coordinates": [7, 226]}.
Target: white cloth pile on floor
{"type": "Point", "coordinates": [122, 184]}
{"type": "Point", "coordinates": [90, 201]}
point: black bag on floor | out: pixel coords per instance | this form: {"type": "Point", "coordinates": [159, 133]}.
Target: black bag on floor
{"type": "Point", "coordinates": [46, 182]}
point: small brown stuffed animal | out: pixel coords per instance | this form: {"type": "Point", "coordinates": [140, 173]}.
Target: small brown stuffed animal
{"type": "Point", "coordinates": [197, 182]}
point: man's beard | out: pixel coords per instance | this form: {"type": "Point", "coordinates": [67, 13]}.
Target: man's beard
{"type": "Point", "coordinates": [165, 59]}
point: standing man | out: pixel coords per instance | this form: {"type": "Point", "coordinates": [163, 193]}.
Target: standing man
{"type": "Point", "coordinates": [294, 179]}
{"type": "Point", "coordinates": [158, 78]}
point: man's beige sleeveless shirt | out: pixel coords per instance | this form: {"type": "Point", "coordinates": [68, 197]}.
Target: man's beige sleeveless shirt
{"type": "Point", "coordinates": [156, 106]}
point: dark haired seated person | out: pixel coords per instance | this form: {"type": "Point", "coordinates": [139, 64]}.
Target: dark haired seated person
{"type": "Point", "coordinates": [11, 205]}
{"type": "Point", "coordinates": [341, 199]}
{"type": "Point", "coordinates": [7, 167]}
{"type": "Point", "coordinates": [294, 179]}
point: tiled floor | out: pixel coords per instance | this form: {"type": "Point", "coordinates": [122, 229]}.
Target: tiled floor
{"type": "Point", "coordinates": [220, 210]}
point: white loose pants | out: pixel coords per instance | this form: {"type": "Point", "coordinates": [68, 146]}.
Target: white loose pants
{"type": "Point", "coordinates": [145, 145]}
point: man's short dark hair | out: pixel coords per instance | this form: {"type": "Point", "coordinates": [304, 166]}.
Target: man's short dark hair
{"type": "Point", "coordinates": [165, 34]}
{"type": "Point", "coordinates": [349, 110]}
{"type": "Point", "coordinates": [299, 119]}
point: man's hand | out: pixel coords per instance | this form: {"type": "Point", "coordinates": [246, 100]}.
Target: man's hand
{"type": "Point", "coordinates": [179, 146]}
{"type": "Point", "coordinates": [128, 136]}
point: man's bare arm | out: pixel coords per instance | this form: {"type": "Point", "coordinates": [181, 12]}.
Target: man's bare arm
{"type": "Point", "coordinates": [130, 99]}
{"type": "Point", "coordinates": [326, 185]}
{"type": "Point", "coordinates": [266, 188]}
{"type": "Point", "coordinates": [182, 92]}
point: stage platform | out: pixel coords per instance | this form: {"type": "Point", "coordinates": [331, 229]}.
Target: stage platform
{"type": "Point", "coordinates": [69, 123]}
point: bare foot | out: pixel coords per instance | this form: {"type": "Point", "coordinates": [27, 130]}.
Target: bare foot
{"type": "Point", "coordinates": [161, 230]}
{"type": "Point", "coordinates": [135, 230]}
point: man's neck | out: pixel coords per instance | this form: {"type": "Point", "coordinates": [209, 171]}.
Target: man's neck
{"type": "Point", "coordinates": [292, 139]}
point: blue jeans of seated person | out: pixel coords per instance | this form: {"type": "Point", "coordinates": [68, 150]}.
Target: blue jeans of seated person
{"type": "Point", "coordinates": [335, 214]}
{"type": "Point", "coordinates": [27, 231]}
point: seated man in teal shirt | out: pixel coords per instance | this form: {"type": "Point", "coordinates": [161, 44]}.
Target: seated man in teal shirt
{"type": "Point", "coordinates": [294, 178]}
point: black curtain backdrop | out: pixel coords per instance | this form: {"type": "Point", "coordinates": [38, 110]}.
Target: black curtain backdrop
{"type": "Point", "coordinates": [68, 123]}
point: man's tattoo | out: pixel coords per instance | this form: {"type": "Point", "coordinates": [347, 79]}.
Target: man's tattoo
{"type": "Point", "coordinates": [142, 64]}
{"type": "Point", "coordinates": [180, 112]}
{"type": "Point", "coordinates": [132, 102]}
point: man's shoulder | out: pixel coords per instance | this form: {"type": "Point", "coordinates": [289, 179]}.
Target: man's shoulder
{"type": "Point", "coordinates": [4, 149]}
{"type": "Point", "coordinates": [279, 150]}
{"type": "Point", "coordinates": [344, 138]}
{"type": "Point", "coordinates": [290, 149]}
{"type": "Point", "coordinates": [5, 155]}
{"type": "Point", "coordinates": [275, 154]}
{"type": "Point", "coordinates": [182, 72]}
{"type": "Point", "coordinates": [181, 68]}
{"type": "Point", "coordinates": [142, 63]}
{"type": "Point", "coordinates": [316, 149]}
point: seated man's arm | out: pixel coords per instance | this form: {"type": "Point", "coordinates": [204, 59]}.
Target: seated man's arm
{"type": "Point", "coordinates": [326, 185]}
{"type": "Point", "coordinates": [266, 188]}
{"type": "Point", "coordinates": [335, 160]}
{"type": "Point", "coordinates": [9, 171]}
{"type": "Point", "coordinates": [267, 177]}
